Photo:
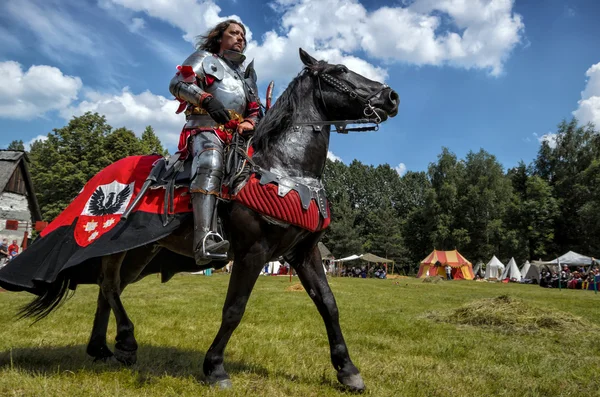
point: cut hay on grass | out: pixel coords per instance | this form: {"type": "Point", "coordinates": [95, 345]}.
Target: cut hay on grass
{"type": "Point", "coordinates": [433, 280]}
{"type": "Point", "coordinates": [507, 314]}
{"type": "Point", "coordinates": [396, 276]}
{"type": "Point", "coordinates": [295, 287]}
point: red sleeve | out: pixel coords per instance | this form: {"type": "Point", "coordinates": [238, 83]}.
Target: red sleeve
{"type": "Point", "coordinates": [252, 113]}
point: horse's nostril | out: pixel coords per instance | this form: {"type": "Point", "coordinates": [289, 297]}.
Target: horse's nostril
{"type": "Point", "coordinates": [394, 96]}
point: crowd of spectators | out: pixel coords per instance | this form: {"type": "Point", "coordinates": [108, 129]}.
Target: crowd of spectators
{"type": "Point", "coordinates": [578, 279]}
{"type": "Point", "coordinates": [8, 252]}
{"type": "Point", "coordinates": [364, 272]}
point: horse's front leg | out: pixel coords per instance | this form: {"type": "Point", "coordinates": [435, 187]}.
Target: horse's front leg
{"type": "Point", "coordinates": [126, 345]}
{"type": "Point", "coordinates": [313, 279]}
{"type": "Point", "coordinates": [244, 274]}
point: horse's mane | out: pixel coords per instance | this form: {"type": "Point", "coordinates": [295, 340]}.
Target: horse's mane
{"type": "Point", "coordinates": [279, 118]}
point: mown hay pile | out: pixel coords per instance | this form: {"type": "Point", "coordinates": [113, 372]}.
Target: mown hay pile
{"type": "Point", "coordinates": [433, 280]}
{"type": "Point", "coordinates": [396, 276]}
{"type": "Point", "coordinates": [295, 287]}
{"type": "Point", "coordinates": [509, 315]}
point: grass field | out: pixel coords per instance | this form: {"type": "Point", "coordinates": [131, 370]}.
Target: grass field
{"type": "Point", "coordinates": [407, 337]}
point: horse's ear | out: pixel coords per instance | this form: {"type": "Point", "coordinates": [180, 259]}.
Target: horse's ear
{"type": "Point", "coordinates": [307, 59]}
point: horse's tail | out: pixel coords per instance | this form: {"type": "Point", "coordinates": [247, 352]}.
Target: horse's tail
{"type": "Point", "coordinates": [55, 295]}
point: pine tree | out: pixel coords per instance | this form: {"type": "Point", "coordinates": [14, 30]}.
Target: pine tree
{"type": "Point", "coordinates": [150, 144]}
{"type": "Point", "coordinates": [16, 145]}
{"type": "Point", "coordinates": [62, 164]}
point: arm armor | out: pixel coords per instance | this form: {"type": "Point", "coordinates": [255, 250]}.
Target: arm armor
{"type": "Point", "coordinates": [186, 90]}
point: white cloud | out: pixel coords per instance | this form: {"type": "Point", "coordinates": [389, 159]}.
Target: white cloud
{"type": "Point", "coordinates": [70, 33]}
{"type": "Point", "coordinates": [333, 157]}
{"type": "Point", "coordinates": [31, 93]}
{"type": "Point", "coordinates": [549, 138]}
{"type": "Point", "coordinates": [400, 169]}
{"type": "Point", "coordinates": [588, 110]}
{"type": "Point", "coordinates": [134, 111]}
{"type": "Point", "coordinates": [463, 33]}
{"type": "Point", "coordinates": [30, 142]}
{"type": "Point", "coordinates": [136, 25]}
{"type": "Point", "coordinates": [191, 16]}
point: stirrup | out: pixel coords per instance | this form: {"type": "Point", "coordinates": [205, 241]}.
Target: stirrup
{"type": "Point", "coordinates": [209, 255]}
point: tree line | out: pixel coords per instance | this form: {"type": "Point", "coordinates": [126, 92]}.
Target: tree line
{"type": "Point", "coordinates": [61, 164]}
{"type": "Point", "coordinates": [531, 211]}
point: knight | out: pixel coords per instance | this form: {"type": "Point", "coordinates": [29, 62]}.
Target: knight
{"type": "Point", "coordinates": [220, 98]}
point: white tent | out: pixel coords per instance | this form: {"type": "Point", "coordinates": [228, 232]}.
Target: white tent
{"type": "Point", "coordinates": [478, 269]}
{"type": "Point", "coordinates": [348, 258]}
{"type": "Point", "coordinates": [511, 271]}
{"type": "Point", "coordinates": [525, 269]}
{"type": "Point", "coordinates": [274, 267]}
{"type": "Point", "coordinates": [493, 269]}
{"type": "Point", "coordinates": [571, 258]}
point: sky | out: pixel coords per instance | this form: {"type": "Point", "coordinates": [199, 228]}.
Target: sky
{"type": "Point", "coordinates": [471, 74]}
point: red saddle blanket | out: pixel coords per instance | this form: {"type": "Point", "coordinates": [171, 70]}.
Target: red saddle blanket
{"type": "Point", "coordinates": [265, 200]}
{"type": "Point", "coordinates": [97, 209]}
{"type": "Point", "coordinates": [92, 225]}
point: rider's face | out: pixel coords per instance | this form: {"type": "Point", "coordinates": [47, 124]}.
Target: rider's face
{"type": "Point", "coordinates": [233, 38]}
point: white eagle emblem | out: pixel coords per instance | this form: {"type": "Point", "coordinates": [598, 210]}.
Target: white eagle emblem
{"type": "Point", "coordinates": [109, 199]}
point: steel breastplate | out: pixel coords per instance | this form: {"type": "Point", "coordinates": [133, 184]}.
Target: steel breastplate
{"type": "Point", "coordinates": [230, 89]}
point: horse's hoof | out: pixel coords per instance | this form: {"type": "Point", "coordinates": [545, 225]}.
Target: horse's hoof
{"type": "Point", "coordinates": [353, 383]}
{"type": "Point", "coordinates": [109, 360]}
{"type": "Point", "coordinates": [105, 359]}
{"type": "Point", "coordinates": [223, 384]}
{"type": "Point", "coordinates": [126, 357]}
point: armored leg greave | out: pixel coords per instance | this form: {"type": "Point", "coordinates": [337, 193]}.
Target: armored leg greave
{"type": "Point", "coordinates": [207, 173]}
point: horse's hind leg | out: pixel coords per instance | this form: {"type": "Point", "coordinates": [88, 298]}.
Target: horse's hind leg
{"type": "Point", "coordinates": [313, 279]}
{"type": "Point", "coordinates": [126, 345]}
{"type": "Point", "coordinates": [97, 347]}
{"type": "Point", "coordinates": [244, 274]}
{"type": "Point", "coordinates": [130, 269]}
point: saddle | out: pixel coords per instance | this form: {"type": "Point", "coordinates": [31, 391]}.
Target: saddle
{"type": "Point", "coordinates": [280, 199]}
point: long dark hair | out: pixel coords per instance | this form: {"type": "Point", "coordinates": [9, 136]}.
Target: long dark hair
{"type": "Point", "coordinates": [211, 41]}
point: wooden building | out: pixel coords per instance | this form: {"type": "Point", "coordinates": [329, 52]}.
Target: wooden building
{"type": "Point", "coordinates": [19, 209]}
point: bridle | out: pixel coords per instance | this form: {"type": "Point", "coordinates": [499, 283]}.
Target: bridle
{"type": "Point", "coordinates": [341, 125]}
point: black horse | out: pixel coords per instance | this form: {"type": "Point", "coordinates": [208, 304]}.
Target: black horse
{"type": "Point", "coordinates": [291, 140]}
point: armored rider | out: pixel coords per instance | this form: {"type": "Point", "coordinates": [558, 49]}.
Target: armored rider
{"type": "Point", "coordinates": [220, 98]}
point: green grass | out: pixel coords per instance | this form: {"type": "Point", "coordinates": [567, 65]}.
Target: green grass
{"type": "Point", "coordinates": [407, 337]}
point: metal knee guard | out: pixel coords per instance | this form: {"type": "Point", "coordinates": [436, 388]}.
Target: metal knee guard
{"type": "Point", "coordinates": [207, 165]}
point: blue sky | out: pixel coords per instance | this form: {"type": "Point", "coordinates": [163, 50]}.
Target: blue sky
{"type": "Point", "coordinates": [471, 74]}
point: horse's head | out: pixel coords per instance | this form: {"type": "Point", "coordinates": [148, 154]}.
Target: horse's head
{"type": "Point", "coordinates": [346, 95]}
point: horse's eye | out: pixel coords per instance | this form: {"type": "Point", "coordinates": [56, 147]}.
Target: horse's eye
{"type": "Point", "coordinates": [341, 69]}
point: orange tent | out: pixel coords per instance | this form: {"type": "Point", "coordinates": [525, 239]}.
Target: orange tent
{"type": "Point", "coordinates": [435, 263]}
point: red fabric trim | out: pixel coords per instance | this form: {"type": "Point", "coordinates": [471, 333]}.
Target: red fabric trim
{"type": "Point", "coordinates": [209, 80]}
{"type": "Point", "coordinates": [265, 200]}
{"type": "Point", "coordinates": [134, 169]}
{"type": "Point", "coordinates": [203, 97]}
{"type": "Point", "coordinates": [186, 133]}
{"type": "Point", "coordinates": [187, 73]}
{"type": "Point", "coordinates": [182, 106]}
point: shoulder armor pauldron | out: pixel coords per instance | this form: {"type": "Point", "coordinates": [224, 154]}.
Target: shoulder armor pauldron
{"type": "Point", "coordinates": [196, 59]}
{"type": "Point", "coordinates": [213, 67]}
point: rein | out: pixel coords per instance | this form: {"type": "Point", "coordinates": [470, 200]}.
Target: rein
{"type": "Point", "coordinates": [341, 126]}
